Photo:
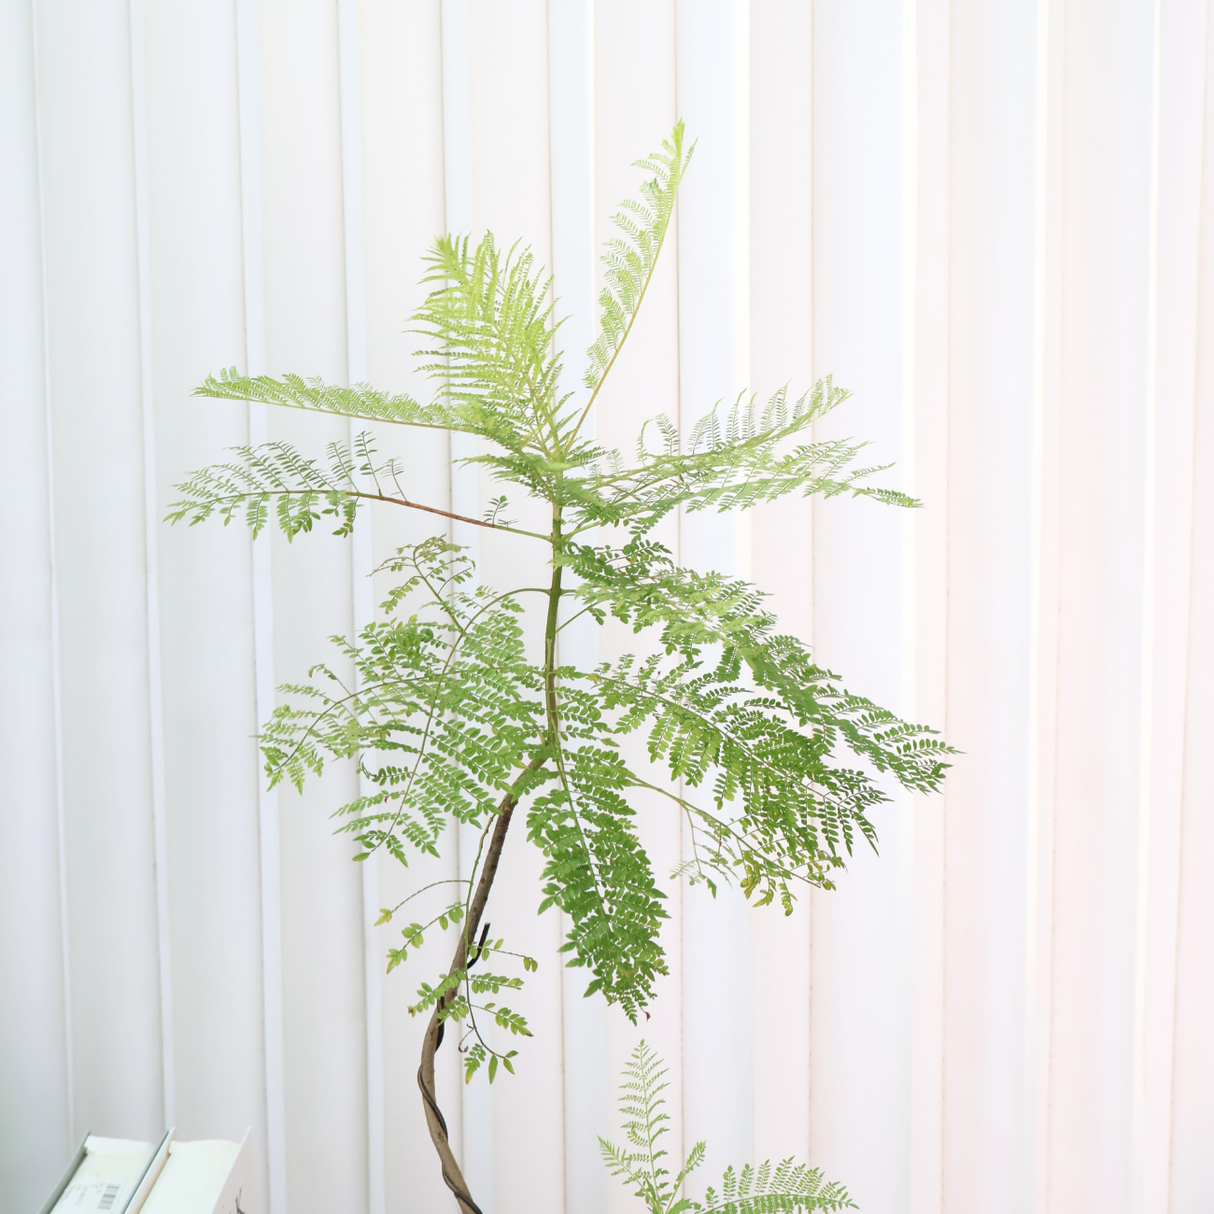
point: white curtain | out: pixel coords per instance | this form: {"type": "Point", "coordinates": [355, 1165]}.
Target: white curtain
{"type": "Point", "coordinates": [993, 222]}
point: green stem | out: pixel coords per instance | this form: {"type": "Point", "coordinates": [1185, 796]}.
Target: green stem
{"type": "Point", "coordinates": [550, 625]}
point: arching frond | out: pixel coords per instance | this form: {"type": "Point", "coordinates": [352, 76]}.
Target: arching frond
{"type": "Point", "coordinates": [358, 400]}
{"type": "Point", "coordinates": [629, 259]}
{"type": "Point", "coordinates": [729, 462]}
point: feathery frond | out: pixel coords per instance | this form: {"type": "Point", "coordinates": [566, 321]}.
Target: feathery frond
{"type": "Point", "coordinates": [301, 492]}
{"type": "Point", "coordinates": [490, 319]}
{"type": "Point", "coordinates": [596, 870]}
{"type": "Point", "coordinates": [630, 258]}
{"type": "Point", "coordinates": [762, 1190]}
{"type": "Point", "coordinates": [770, 1188]}
{"type": "Point", "coordinates": [358, 400]}
{"type": "Point", "coordinates": [730, 463]}
{"type": "Point", "coordinates": [274, 474]}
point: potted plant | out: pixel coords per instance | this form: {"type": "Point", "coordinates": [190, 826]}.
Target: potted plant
{"type": "Point", "coordinates": [770, 759]}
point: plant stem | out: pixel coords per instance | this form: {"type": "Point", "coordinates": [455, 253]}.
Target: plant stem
{"type": "Point", "coordinates": [459, 518]}
{"type": "Point", "coordinates": [550, 628]}
{"type": "Point", "coordinates": [453, 1177]}
{"type": "Point", "coordinates": [437, 1124]}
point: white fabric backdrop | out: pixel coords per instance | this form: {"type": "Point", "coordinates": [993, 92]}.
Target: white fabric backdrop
{"type": "Point", "coordinates": [991, 220]}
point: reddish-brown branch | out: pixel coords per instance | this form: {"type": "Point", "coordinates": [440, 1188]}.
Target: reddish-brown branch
{"type": "Point", "coordinates": [459, 518]}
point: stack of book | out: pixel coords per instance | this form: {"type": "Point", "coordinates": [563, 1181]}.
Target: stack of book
{"type": "Point", "coordinates": [116, 1176]}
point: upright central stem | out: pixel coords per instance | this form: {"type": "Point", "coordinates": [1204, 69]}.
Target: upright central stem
{"type": "Point", "coordinates": [452, 1175]}
{"type": "Point", "coordinates": [554, 603]}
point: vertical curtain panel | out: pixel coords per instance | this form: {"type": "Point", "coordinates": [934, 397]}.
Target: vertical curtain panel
{"type": "Point", "coordinates": [992, 222]}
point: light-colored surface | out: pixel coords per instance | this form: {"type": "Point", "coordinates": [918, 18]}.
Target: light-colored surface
{"type": "Point", "coordinates": [106, 1178]}
{"type": "Point", "coordinates": [992, 221]}
{"type": "Point", "coordinates": [118, 1176]}
{"type": "Point", "coordinates": [193, 1178]}
{"type": "Point", "coordinates": [151, 1175]}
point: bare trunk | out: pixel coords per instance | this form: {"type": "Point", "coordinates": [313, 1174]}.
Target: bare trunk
{"type": "Point", "coordinates": [437, 1124]}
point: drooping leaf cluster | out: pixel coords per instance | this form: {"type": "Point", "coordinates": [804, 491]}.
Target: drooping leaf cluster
{"type": "Point", "coordinates": [730, 704]}
{"type": "Point", "coordinates": [763, 1190]}
{"type": "Point", "coordinates": [452, 717]}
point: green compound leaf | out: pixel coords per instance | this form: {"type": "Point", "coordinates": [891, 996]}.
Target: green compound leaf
{"type": "Point", "coordinates": [762, 1190]}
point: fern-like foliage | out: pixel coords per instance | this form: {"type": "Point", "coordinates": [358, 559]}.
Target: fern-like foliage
{"type": "Point", "coordinates": [447, 707]}
{"type": "Point", "coordinates": [457, 714]}
{"type": "Point", "coordinates": [762, 1190]}
{"type": "Point", "coordinates": [299, 490]}
{"type": "Point", "coordinates": [359, 400]}
{"type": "Point", "coordinates": [596, 870]}
{"type": "Point", "coordinates": [446, 717]}
{"type": "Point", "coordinates": [729, 462]}
{"type": "Point", "coordinates": [758, 724]}
{"type": "Point", "coordinates": [490, 320]}
{"type": "Point", "coordinates": [302, 491]}
{"type": "Point", "coordinates": [629, 259]}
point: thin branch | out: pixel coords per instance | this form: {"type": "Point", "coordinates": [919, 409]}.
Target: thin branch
{"type": "Point", "coordinates": [459, 518]}
{"type": "Point", "coordinates": [416, 892]}
{"type": "Point", "coordinates": [374, 497]}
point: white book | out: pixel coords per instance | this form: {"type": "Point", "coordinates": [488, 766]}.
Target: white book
{"type": "Point", "coordinates": [118, 1176]}
{"type": "Point", "coordinates": [107, 1175]}
{"type": "Point", "coordinates": [209, 1177]}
